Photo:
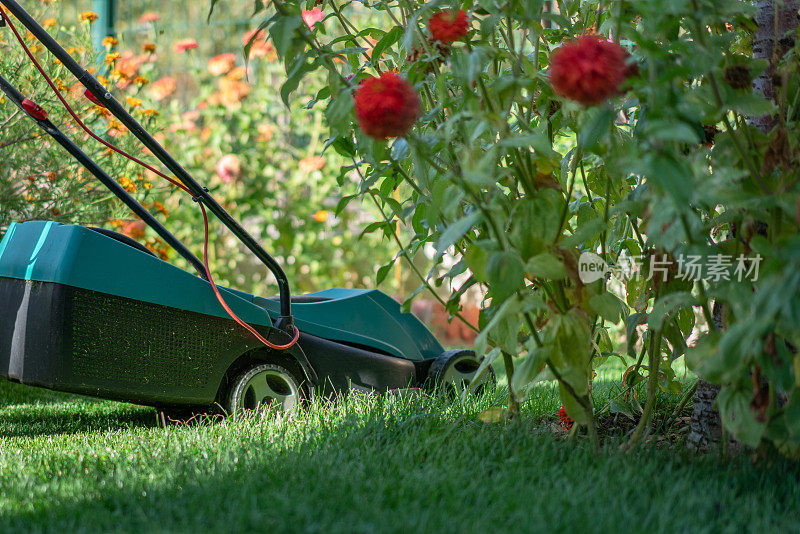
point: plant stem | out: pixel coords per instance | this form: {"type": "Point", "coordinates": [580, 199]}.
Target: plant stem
{"type": "Point", "coordinates": [652, 386]}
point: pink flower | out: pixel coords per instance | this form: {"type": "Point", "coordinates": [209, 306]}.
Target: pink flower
{"type": "Point", "coordinates": [312, 16]}
{"type": "Point", "coordinates": [229, 168]}
{"type": "Point", "coordinates": [184, 44]}
{"type": "Point", "coordinates": [149, 16]}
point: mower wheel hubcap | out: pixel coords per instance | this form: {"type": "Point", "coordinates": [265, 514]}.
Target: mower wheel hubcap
{"type": "Point", "coordinates": [455, 371]}
{"type": "Point", "coordinates": [266, 385]}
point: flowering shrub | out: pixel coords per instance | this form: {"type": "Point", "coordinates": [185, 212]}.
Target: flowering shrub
{"type": "Point", "coordinates": [39, 180]}
{"type": "Point", "coordinates": [552, 145]}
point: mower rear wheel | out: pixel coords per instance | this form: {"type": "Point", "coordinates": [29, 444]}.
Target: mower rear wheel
{"type": "Point", "coordinates": [262, 385]}
{"type": "Point", "coordinates": [454, 370]}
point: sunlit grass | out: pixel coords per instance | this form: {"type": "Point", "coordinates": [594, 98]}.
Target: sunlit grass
{"type": "Point", "coordinates": [361, 464]}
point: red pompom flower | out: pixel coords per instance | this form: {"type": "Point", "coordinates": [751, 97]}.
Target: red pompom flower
{"type": "Point", "coordinates": [589, 69]}
{"type": "Point", "coordinates": [566, 420]}
{"type": "Point", "coordinates": [387, 106]}
{"type": "Point", "coordinates": [448, 25]}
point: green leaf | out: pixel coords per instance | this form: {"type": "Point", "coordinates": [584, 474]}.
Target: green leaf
{"type": "Point", "coordinates": [476, 259]}
{"type": "Point", "coordinates": [282, 32]}
{"type": "Point", "coordinates": [751, 104]}
{"type": "Point", "coordinates": [456, 231]}
{"type": "Point", "coordinates": [529, 369]}
{"type": "Point", "coordinates": [504, 271]}
{"type": "Point", "coordinates": [734, 409]}
{"type": "Point", "coordinates": [666, 305]}
{"type": "Point", "coordinates": [391, 37]}
{"type": "Point", "coordinates": [665, 130]}
{"type": "Point", "coordinates": [384, 271]}
{"type": "Point", "coordinates": [546, 265]}
{"type": "Point", "coordinates": [572, 406]}
{"type": "Point", "coordinates": [339, 112]}
{"type": "Point", "coordinates": [607, 306]}
{"type": "Point", "coordinates": [599, 124]}
{"type": "Point", "coordinates": [300, 67]}
{"type": "Point", "coordinates": [509, 308]}
{"type": "Point", "coordinates": [585, 233]}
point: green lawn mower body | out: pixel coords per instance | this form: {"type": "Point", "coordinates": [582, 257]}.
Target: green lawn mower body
{"type": "Point", "coordinates": [88, 313]}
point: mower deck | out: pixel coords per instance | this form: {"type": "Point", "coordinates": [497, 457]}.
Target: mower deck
{"type": "Point", "coordinates": [89, 314]}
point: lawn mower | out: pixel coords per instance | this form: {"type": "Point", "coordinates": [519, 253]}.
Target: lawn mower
{"type": "Point", "coordinates": [90, 311]}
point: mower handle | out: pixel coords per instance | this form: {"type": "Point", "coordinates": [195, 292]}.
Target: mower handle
{"type": "Point", "coordinates": [50, 129]}
{"type": "Point", "coordinates": [198, 192]}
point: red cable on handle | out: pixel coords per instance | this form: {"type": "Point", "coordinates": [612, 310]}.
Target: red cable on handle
{"type": "Point", "coordinates": [38, 112]}
{"type": "Point", "coordinates": [225, 305]}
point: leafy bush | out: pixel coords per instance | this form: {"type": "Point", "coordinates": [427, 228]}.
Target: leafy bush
{"type": "Point", "coordinates": [544, 140]}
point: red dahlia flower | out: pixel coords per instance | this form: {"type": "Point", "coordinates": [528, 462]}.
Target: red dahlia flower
{"type": "Point", "coordinates": [566, 421]}
{"type": "Point", "coordinates": [588, 70]}
{"type": "Point", "coordinates": [387, 106]}
{"type": "Point", "coordinates": [448, 26]}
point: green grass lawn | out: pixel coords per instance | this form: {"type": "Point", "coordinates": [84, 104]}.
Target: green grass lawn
{"type": "Point", "coordinates": [382, 464]}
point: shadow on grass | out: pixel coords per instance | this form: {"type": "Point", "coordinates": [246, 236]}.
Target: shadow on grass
{"type": "Point", "coordinates": [29, 411]}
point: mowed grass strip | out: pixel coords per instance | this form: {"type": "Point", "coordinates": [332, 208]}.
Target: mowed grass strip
{"type": "Point", "coordinates": [381, 464]}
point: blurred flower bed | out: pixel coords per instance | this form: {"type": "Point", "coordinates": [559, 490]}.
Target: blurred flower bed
{"type": "Point", "coordinates": [222, 117]}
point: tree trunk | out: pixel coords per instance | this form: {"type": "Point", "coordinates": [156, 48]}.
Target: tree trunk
{"type": "Point", "coordinates": [705, 429]}
{"type": "Point", "coordinates": [777, 24]}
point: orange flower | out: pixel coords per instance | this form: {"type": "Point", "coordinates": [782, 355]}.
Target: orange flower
{"type": "Point", "coordinates": [89, 16]}
{"type": "Point", "coordinates": [139, 80]}
{"type": "Point", "coordinates": [149, 48]}
{"type": "Point", "coordinates": [111, 58]}
{"type": "Point", "coordinates": [311, 164]}
{"type": "Point", "coordinates": [51, 176]}
{"type": "Point", "coordinates": [321, 216]}
{"type": "Point", "coordinates": [259, 46]}
{"type": "Point", "coordinates": [133, 102]}
{"type": "Point", "coordinates": [266, 132]}
{"type": "Point", "coordinates": [237, 73]}
{"type": "Point", "coordinates": [159, 207]}
{"type": "Point", "coordinates": [163, 88]}
{"type": "Point", "coordinates": [127, 184]}
{"type": "Point", "coordinates": [183, 45]}
{"type": "Point", "coordinates": [134, 229]}
{"type": "Point", "coordinates": [110, 41]}
{"type": "Point", "coordinates": [232, 92]}
{"type": "Point", "coordinates": [148, 112]}
{"type": "Point", "coordinates": [149, 16]}
{"type": "Point", "coordinates": [129, 65]}
{"type": "Point", "coordinates": [219, 65]}
{"type": "Point", "coordinates": [49, 23]}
